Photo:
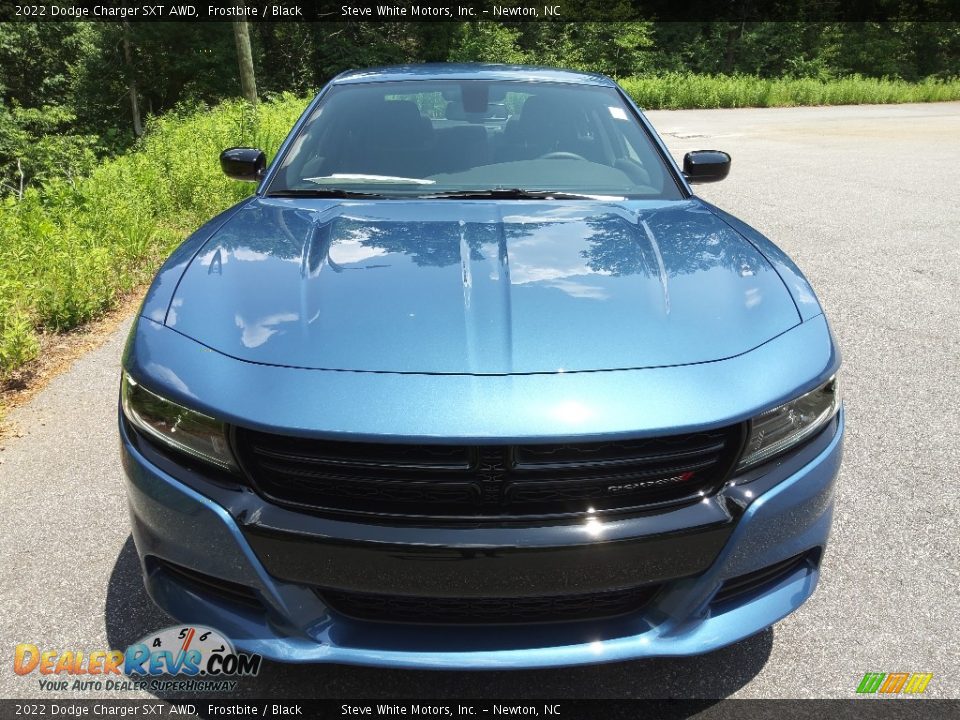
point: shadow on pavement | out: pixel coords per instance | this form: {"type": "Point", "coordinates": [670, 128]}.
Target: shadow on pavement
{"type": "Point", "coordinates": [130, 614]}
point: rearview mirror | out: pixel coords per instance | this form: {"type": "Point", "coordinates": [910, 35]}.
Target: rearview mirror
{"type": "Point", "coordinates": [243, 163]}
{"type": "Point", "coordinates": [703, 166]}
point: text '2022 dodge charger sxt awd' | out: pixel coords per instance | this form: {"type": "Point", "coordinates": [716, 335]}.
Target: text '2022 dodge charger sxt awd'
{"type": "Point", "coordinates": [475, 380]}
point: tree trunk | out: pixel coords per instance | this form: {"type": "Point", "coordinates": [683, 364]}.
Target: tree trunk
{"type": "Point", "coordinates": [131, 81]}
{"type": "Point", "coordinates": [733, 35]}
{"type": "Point", "coordinates": [248, 83]}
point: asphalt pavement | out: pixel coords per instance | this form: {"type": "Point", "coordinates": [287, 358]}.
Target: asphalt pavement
{"type": "Point", "coordinates": [865, 200]}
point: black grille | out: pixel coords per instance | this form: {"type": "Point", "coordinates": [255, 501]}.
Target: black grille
{"type": "Point", "coordinates": [762, 578]}
{"type": "Point", "coordinates": [207, 584]}
{"type": "Point", "coordinates": [486, 482]}
{"type": "Point", "coordinates": [493, 611]}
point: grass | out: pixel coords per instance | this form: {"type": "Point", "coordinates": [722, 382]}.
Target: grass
{"type": "Point", "coordinates": [68, 251]}
{"type": "Point", "coordinates": [673, 91]}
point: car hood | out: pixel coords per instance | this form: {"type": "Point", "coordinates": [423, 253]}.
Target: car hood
{"type": "Point", "coordinates": [479, 287]}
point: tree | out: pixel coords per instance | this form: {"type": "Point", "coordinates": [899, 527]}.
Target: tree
{"type": "Point", "coordinates": [487, 42]}
{"type": "Point", "coordinates": [131, 81]}
{"type": "Point", "coordinates": [248, 82]}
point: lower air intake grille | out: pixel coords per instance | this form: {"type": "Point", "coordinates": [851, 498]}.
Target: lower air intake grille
{"type": "Point", "coordinates": [207, 584]}
{"type": "Point", "coordinates": [762, 578]}
{"type": "Point", "coordinates": [493, 482]}
{"type": "Point", "coordinates": [492, 611]}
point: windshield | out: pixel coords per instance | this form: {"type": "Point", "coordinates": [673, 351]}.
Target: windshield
{"type": "Point", "coordinates": [449, 138]}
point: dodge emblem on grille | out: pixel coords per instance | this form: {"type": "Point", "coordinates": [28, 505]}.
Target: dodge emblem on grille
{"type": "Point", "coordinates": [491, 472]}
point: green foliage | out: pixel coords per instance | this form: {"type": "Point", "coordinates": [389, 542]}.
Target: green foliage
{"type": "Point", "coordinates": [18, 344]}
{"type": "Point", "coordinates": [906, 50]}
{"type": "Point", "coordinates": [36, 146]}
{"type": "Point", "coordinates": [69, 250]}
{"type": "Point", "coordinates": [39, 139]}
{"type": "Point", "coordinates": [488, 42]}
{"type": "Point", "coordinates": [36, 60]}
{"type": "Point", "coordinates": [673, 91]}
{"type": "Point", "coordinates": [172, 63]}
{"type": "Point", "coordinates": [613, 48]}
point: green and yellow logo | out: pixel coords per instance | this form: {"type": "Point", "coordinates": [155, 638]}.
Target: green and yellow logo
{"type": "Point", "coordinates": [894, 683]}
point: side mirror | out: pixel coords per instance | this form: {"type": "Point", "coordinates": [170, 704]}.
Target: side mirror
{"type": "Point", "coordinates": [241, 163]}
{"type": "Point", "coordinates": [703, 166]}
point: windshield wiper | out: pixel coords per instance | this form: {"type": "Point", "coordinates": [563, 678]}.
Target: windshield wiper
{"type": "Point", "coordinates": [482, 194]}
{"type": "Point", "coordinates": [365, 178]}
{"type": "Point", "coordinates": [516, 194]}
{"type": "Point", "coordinates": [322, 193]}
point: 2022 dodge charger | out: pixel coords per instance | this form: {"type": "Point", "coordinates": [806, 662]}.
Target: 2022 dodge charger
{"type": "Point", "coordinates": [475, 380]}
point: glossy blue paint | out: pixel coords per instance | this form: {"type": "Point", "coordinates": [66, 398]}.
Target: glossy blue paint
{"type": "Point", "coordinates": [487, 287]}
{"type": "Point", "coordinates": [800, 289]}
{"type": "Point", "coordinates": [472, 322]}
{"type": "Point", "coordinates": [159, 295]}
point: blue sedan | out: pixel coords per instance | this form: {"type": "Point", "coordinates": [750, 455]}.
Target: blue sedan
{"type": "Point", "coordinates": [475, 380]}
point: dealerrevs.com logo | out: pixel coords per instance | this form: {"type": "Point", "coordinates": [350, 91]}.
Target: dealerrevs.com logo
{"type": "Point", "coordinates": [203, 656]}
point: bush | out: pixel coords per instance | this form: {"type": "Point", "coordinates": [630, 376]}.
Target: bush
{"type": "Point", "coordinates": [18, 343]}
{"type": "Point", "coordinates": [673, 91]}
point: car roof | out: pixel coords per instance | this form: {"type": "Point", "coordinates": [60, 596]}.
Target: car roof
{"type": "Point", "coordinates": [471, 71]}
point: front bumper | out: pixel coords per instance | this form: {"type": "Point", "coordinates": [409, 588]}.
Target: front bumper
{"type": "Point", "coordinates": [781, 512]}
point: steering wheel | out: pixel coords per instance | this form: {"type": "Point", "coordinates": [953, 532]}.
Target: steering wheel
{"type": "Point", "coordinates": [561, 155]}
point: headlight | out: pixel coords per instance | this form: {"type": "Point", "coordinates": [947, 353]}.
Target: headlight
{"type": "Point", "coordinates": [174, 425]}
{"type": "Point", "coordinates": [787, 425]}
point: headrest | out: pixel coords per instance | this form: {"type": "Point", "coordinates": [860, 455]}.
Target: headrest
{"type": "Point", "coordinates": [385, 121]}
